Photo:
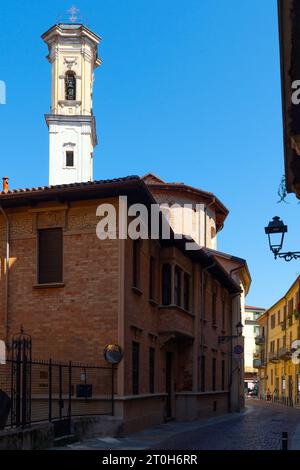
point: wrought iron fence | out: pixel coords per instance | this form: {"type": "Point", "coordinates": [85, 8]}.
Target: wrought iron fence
{"type": "Point", "coordinates": [38, 390]}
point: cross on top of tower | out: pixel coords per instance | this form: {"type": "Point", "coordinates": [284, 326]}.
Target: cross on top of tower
{"type": "Point", "coordinates": [73, 10]}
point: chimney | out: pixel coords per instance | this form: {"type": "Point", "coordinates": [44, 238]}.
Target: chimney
{"type": "Point", "coordinates": [5, 184]}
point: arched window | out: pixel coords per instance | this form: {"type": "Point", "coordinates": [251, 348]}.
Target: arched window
{"type": "Point", "coordinates": [70, 85]}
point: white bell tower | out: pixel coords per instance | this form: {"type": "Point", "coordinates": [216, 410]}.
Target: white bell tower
{"type": "Point", "coordinates": [73, 54]}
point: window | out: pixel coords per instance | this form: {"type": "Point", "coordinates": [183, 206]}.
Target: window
{"type": "Point", "coordinates": [135, 367]}
{"type": "Point", "coordinates": [223, 314]}
{"type": "Point", "coordinates": [202, 373]}
{"type": "Point", "coordinates": [278, 344]}
{"type": "Point", "coordinates": [290, 311]}
{"type": "Point", "coordinates": [278, 317]}
{"type": "Point", "coordinates": [213, 375]}
{"type": "Point", "coordinates": [50, 256]}
{"type": "Point", "coordinates": [273, 321]}
{"type": "Point", "coordinates": [151, 370]}
{"type": "Point", "coordinates": [152, 278]}
{"type": "Point", "coordinates": [223, 375]}
{"type": "Point", "coordinates": [213, 309]}
{"type": "Point", "coordinates": [166, 284]}
{"type": "Point", "coordinates": [290, 307]}
{"type": "Point", "coordinates": [69, 158]}
{"type": "Point", "coordinates": [70, 85]}
{"type": "Point", "coordinates": [186, 291]}
{"type": "Point", "coordinates": [177, 286]}
{"type": "Point", "coordinates": [136, 263]}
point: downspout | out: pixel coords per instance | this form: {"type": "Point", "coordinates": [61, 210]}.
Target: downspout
{"type": "Point", "coordinates": [6, 272]}
{"type": "Point", "coordinates": [231, 359]}
{"type": "Point", "coordinates": [231, 352]}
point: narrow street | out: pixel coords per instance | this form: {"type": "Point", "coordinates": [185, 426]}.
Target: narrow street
{"type": "Point", "coordinates": [259, 427]}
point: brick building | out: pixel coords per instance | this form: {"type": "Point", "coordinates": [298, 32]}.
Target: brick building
{"type": "Point", "coordinates": [164, 305]}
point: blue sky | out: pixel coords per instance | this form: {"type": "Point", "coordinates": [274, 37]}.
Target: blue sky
{"type": "Point", "coordinates": [187, 90]}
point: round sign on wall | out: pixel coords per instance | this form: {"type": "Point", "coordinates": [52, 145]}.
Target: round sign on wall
{"type": "Point", "coordinates": [238, 349]}
{"type": "Point", "coordinates": [113, 353]}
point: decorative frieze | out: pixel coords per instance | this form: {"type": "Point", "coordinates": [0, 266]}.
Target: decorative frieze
{"type": "Point", "coordinates": [82, 220]}
{"type": "Point", "coordinates": [50, 219]}
{"type": "Point", "coordinates": [20, 225]}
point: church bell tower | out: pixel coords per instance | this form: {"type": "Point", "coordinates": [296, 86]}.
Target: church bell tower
{"type": "Point", "coordinates": [73, 55]}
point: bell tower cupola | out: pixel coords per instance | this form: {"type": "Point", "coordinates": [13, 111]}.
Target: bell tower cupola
{"type": "Point", "coordinates": [73, 55]}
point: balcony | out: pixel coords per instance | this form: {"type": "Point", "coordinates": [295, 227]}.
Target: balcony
{"type": "Point", "coordinates": [259, 364]}
{"type": "Point", "coordinates": [256, 363]}
{"type": "Point", "coordinates": [283, 325]}
{"type": "Point", "coordinates": [273, 357]}
{"type": "Point", "coordinates": [259, 340]}
{"type": "Point", "coordinates": [285, 354]}
{"type": "Point", "coordinates": [176, 321]}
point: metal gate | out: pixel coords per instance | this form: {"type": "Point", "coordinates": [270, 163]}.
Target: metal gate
{"type": "Point", "coordinates": [21, 379]}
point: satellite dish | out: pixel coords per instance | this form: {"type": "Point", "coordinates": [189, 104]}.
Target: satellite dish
{"type": "Point", "coordinates": [113, 353]}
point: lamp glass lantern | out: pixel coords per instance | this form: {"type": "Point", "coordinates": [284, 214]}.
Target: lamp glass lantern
{"type": "Point", "coordinates": [276, 231]}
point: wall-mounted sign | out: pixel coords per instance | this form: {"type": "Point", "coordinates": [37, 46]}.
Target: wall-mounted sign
{"type": "Point", "coordinates": [113, 353]}
{"type": "Point", "coordinates": [238, 349]}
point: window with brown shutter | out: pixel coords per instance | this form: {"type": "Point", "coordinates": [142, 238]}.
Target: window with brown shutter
{"type": "Point", "coordinates": [50, 256]}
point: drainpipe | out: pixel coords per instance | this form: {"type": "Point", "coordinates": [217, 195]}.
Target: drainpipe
{"type": "Point", "coordinates": [7, 272]}
{"type": "Point", "coordinates": [231, 362]}
{"type": "Point", "coordinates": [231, 351]}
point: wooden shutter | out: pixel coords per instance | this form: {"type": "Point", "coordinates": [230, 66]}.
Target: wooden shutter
{"type": "Point", "coordinates": [50, 256]}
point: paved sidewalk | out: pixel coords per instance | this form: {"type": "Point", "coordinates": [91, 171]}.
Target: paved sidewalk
{"type": "Point", "coordinates": [156, 435]}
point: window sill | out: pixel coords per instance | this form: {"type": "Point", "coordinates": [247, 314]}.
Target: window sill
{"type": "Point", "coordinates": [49, 285]}
{"type": "Point", "coordinates": [137, 290]}
{"type": "Point", "coordinates": [188, 312]}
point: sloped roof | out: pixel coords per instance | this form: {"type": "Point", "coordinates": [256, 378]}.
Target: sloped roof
{"type": "Point", "coordinates": [155, 183]}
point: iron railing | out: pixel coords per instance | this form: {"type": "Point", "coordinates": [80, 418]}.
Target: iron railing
{"type": "Point", "coordinates": [55, 391]}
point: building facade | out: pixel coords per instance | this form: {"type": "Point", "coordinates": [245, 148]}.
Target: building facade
{"type": "Point", "coordinates": [278, 363]}
{"type": "Point", "coordinates": [289, 30]}
{"type": "Point", "coordinates": [251, 334]}
{"type": "Point", "coordinates": [74, 294]}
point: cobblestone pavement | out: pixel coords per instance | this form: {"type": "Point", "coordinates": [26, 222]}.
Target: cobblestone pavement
{"type": "Point", "coordinates": [259, 427]}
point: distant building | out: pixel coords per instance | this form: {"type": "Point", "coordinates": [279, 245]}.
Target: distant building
{"type": "Point", "coordinates": [250, 318]}
{"type": "Point", "coordinates": [279, 373]}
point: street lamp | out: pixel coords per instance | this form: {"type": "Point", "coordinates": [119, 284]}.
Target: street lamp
{"type": "Point", "coordinates": [239, 330]}
{"type": "Point", "coordinates": [276, 231]}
